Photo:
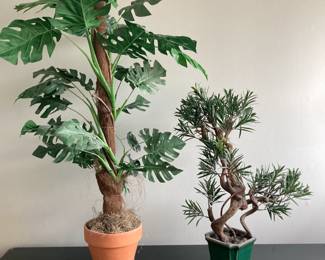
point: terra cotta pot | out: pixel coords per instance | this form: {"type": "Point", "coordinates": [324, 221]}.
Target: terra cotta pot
{"type": "Point", "coordinates": [120, 246]}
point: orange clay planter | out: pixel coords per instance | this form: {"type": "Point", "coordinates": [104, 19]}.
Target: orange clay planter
{"type": "Point", "coordinates": [120, 246]}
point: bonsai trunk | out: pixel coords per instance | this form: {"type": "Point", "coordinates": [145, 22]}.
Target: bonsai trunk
{"type": "Point", "coordinates": [111, 190]}
{"type": "Point", "coordinates": [243, 217]}
{"type": "Point", "coordinates": [219, 224]}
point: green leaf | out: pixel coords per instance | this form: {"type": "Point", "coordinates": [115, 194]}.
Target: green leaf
{"type": "Point", "coordinates": [112, 2]}
{"type": "Point", "coordinates": [139, 9]}
{"type": "Point", "coordinates": [73, 135]}
{"type": "Point", "coordinates": [40, 152]}
{"type": "Point", "coordinates": [161, 145]}
{"type": "Point", "coordinates": [65, 76]}
{"type": "Point", "coordinates": [140, 103]}
{"type": "Point", "coordinates": [78, 16]}
{"type": "Point", "coordinates": [133, 40]}
{"type": "Point", "coordinates": [39, 3]}
{"type": "Point", "coordinates": [192, 210]}
{"type": "Point", "coordinates": [54, 82]}
{"type": "Point", "coordinates": [146, 78]}
{"type": "Point", "coordinates": [121, 72]}
{"type": "Point", "coordinates": [49, 104]}
{"type": "Point", "coordinates": [161, 148]}
{"type": "Point", "coordinates": [183, 59]}
{"type": "Point", "coordinates": [27, 39]}
{"type": "Point", "coordinates": [130, 39]}
{"type": "Point", "coordinates": [133, 142]}
{"type": "Point", "coordinates": [29, 127]}
{"type": "Point", "coordinates": [161, 170]}
{"type": "Point", "coordinates": [210, 189]}
{"type": "Point", "coordinates": [54, 147]}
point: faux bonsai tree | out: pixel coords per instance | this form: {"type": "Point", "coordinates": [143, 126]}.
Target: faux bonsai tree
{"type": "Point", "coordinates": [90, 139]}
{"type": "Point", "coordinates": [224, 177]}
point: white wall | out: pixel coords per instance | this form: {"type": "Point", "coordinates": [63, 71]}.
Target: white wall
{"type": "Point", "coordinates": [275, 48]}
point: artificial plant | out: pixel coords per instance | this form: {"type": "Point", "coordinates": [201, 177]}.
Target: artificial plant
{"type": "Point", "coordinates": [90, 140]}
{"type": "Point", "coordinates": [224, 177]}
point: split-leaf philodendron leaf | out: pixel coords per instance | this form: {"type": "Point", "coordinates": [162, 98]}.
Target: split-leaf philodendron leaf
{"type": "Point", "coordinates": [26, 39]}
{"type": "Point", "coordinates": [78, 16]}
{"type": "Point", "coordinates": [68, 141]}
{"type": "Point", "coordinates": [145, 77]}
{"type": "Point", "coordinates": [163, 145]}
{"type": "Point", "coordinates": [133, 40]}
{"type": "Point", "coordinates": [160, 149]}
{"type": "Point", "coordinates": [140, 103]}
{"type": "Point", "coordinates": [72, 134]}
{"type": "Point", "coordinates": [139, 9]}
{"type": "Point", "coordinates": [47, 94]}
{"type": "Point", "coordinates": [40, 3]}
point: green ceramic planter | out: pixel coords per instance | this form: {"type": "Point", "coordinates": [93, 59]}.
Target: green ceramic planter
{"type": "Point", "coordinates": [223, 251]}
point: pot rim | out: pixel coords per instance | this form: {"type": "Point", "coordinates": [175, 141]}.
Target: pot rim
{"type": "Point", "coordinates": [112, 234]}
{"type": "Point", "coordinates": [209, 238]}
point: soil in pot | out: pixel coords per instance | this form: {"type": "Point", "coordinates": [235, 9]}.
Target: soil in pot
{"type": "Point", "coordinates": [114, 223]}
{"type": "Point", "coordinates": [236, 236]}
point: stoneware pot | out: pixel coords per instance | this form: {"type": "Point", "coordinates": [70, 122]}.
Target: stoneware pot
{"type": "Point", "coordinates": [225, 251]}
{"type": "Point", "coordinates": [120, 246]}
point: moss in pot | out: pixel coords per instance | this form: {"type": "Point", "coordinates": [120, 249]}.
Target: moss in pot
{"type": "Point", "coordinates": [224, 178]}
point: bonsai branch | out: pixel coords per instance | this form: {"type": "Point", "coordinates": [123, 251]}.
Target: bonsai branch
{"type": "Point", "coordinates": [254, 208]}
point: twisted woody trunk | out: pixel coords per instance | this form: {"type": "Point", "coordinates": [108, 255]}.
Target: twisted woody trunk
{"type": "Point", "coordinates": [237, 200]}
{"type": "Point", "coordinates": [236, 189]}
{"type": "Point", "coordinates": [110, 189]}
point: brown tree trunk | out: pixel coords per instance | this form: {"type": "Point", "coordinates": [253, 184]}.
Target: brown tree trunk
{"type": "Point", "coordinates": [111, 190]}
{"type": "Point", "coordinates": [219, 224]}
{"type": "Point", "coordinates": [112, 193]}
{"type": "Point", "coordinates": [243, 217]}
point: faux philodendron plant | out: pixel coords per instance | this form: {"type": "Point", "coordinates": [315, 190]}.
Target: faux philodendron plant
{"type": "Point", "coordinates": [224, 177]}
{"type": "Point", "coordinates": [90, 140]}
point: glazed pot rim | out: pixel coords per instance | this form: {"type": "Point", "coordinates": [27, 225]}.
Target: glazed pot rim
{"type": "Point", "coordinates": [209, 238]}
{"type": "Point", "coordinates": [113, 234]}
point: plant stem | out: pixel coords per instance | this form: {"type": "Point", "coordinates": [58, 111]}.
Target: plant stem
{"type": "Point", "coordinates": [81, 115]}
{"type": "Point", "coordinates": [108, 87]}
{"type": "Point", "coordinates": [120, 109]}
